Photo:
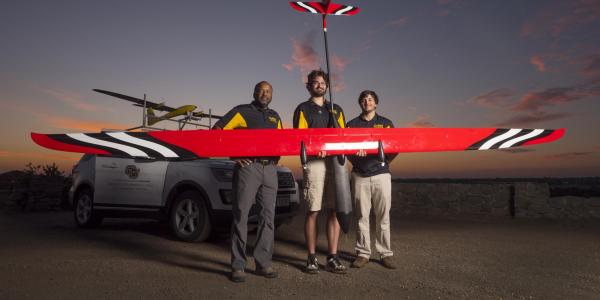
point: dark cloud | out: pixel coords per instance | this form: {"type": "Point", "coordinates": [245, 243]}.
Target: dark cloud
{"type": "Point", "coordinates": [423, 121]}
{"type": "Point", "coordinates": [498, 98]}
{"type": "Point", "coordinates": [534, 101]}
{"type": "Point", "coordinates": [593, 66]}
{"type": "Point", "coordinates": [531, 118]}
{"type": "Point", "coordinates": [443, 13]}
{"type": "Point", "coordinates": [561, 16]}
{"type": "Point", "coordinates": [398, 22]}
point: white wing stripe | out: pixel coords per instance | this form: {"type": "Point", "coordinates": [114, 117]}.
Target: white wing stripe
{"type": "Point", "coordinates": [534, 133]}
{"type": "Point", "coordinates": [499, 139]}
{"type": "Point", "coordinates": [351, 146]}
{"type": "Point", "coordinates": [164, 151]}
{"type": "Point", "coordinates": [342, 11]}
{"type": "Point", "coordinates": [88, 139]}
{"type": "Point", "coordinates": [312, 10]}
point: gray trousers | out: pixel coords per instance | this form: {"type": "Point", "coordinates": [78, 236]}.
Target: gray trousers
{"type": "Point", "coordinates": [253, 183]}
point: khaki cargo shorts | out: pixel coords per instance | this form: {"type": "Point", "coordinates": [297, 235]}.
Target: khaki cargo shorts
{"type": "Point", "coordinates": [318, 184]}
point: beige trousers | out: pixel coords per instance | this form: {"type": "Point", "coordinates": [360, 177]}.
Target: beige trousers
{"type": "Point", "coordinates": [319, 184]}
{"type": "Point", "coordinates": [372, 192]}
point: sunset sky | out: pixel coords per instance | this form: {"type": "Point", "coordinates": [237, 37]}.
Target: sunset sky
{"type": "Point", "coordinates": [436, 63]}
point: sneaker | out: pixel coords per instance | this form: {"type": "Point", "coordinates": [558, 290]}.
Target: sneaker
{"type": "Point", "coordinates": [388, 262]}
{"type": "Point", "coordinates": [334, 265]}
{"type": "Point", "coordinates": [359, 262]}
{"type": "Point", "coordinates": [312, 266]}
{"type": "Point", "coordinates": [267, 272]}
{"type": "Point", "coordinates": [238, 276]}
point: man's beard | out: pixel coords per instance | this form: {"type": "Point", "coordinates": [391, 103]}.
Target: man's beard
{"type": "Point", "coordinates": [263, 103]}
{"type": "Point", "coordinates": [318, 93]}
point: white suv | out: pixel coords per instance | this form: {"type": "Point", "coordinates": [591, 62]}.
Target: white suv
{"type": "Point", "coordinates": [193, 195]}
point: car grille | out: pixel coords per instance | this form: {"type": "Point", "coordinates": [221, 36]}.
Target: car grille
{"type": "Point", "coordinates": [286, 180]}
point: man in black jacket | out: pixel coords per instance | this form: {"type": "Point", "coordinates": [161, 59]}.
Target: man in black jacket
{"type": "Point", "coordinates": [372, 188]}
{"type": "Point", "coordinates": [254, 179]}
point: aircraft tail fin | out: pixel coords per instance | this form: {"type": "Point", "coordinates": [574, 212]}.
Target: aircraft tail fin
{"type": "Point", "coordinates": [325, 8]}
{"type": "Point", "coordinates": [152, 118]}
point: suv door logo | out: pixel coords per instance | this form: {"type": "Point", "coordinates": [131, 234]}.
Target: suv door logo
{"type": "Point", "coordinates": [132, 171]}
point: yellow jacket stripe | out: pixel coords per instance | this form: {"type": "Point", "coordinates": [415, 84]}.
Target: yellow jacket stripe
{"type": "Point", "coordinates": [236, 122]}
{"type": "Point", "coordinates": [302, 123]}
{"type": "Point", "coordinates": [341, 120]}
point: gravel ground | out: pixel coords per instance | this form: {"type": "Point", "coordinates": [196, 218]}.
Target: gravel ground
{"type": "Point", "coordinates": [43, 255]}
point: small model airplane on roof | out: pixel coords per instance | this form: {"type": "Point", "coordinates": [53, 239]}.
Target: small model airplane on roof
{"type": "Point", "coordinates": [172, 112]}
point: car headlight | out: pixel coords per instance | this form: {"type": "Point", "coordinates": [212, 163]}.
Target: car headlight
{"type": "Point", "coordinates": [223, 175]}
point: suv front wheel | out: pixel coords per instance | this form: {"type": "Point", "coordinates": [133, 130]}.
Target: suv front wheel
{"type": "Point", "coordinates": [189, 217]}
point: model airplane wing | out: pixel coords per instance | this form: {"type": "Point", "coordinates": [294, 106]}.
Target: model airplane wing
{"type": "Point", "coordinates": [137, 101]}
{"type": "Point", "coordinates": [201, 114]}
{"type": "Point", "coordinates": [187, 144]}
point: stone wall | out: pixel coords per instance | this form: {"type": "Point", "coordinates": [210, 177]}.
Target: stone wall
{"type": "Point", "coordinates": [519, 200]}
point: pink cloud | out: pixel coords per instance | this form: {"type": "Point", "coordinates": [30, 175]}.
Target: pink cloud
{"type": "Point", "coordinates": [363, 47]}
{"type": "Point", "coordinates": [399, 22]}
{"type": "Point", "coordinates": [423, 121]}
{"type": "Point", "coordinates": [72, 99]}
{"type": "Point", "coordinates": [304, 56]}
{"type": "Point", "coordinates": [443, 13]}
{"type": "Point", "coordinates": [339, 63]}
{"type": "Point", "coordinates": [538, 62]}
{"type": "Point", "coordinates": [531, 118]}
{"type": "Point", "coordinates": [499, 98]}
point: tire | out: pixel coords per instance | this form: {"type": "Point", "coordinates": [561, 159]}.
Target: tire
{"type": "Point", "coordinates": [189, 218]}
{"type": "Point", "coordinates": [84, 213]}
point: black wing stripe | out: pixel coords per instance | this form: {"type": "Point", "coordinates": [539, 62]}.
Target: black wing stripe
{"type": "Point", "coordinates": [63, 138]}
{"type": "Point", "coordinates": [499, 131]}
{"type": "Point", "coordinates": [520, 134]}
{"type": "Point", "coordinates": [179, 151]}
{"type": "Point", "coordinates": [546, 133]}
